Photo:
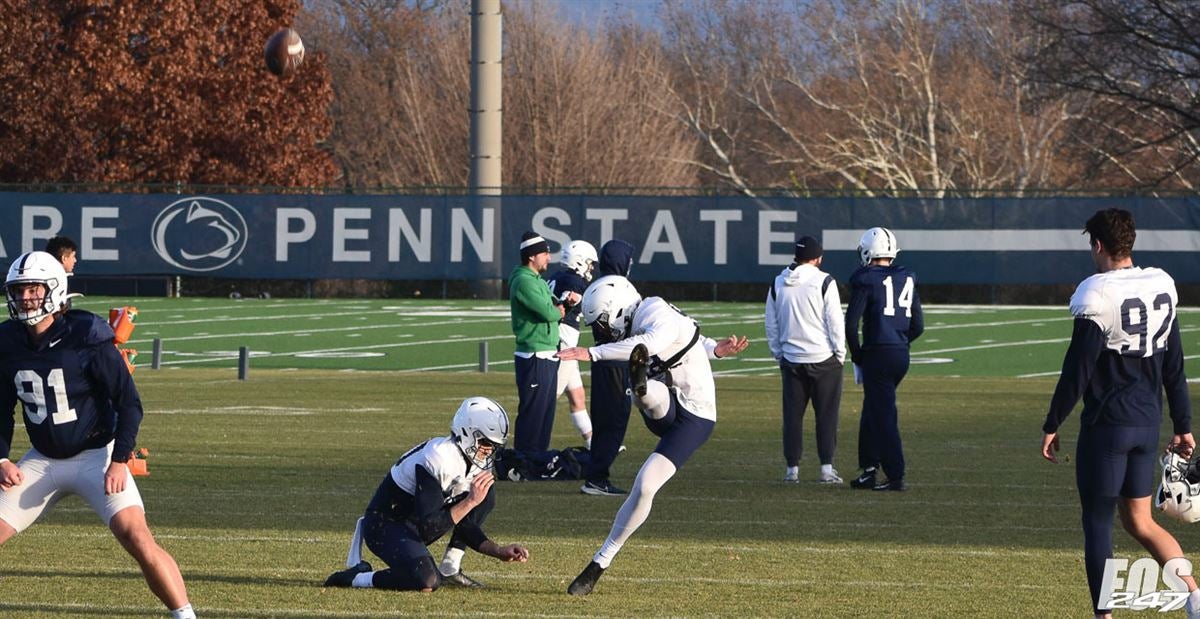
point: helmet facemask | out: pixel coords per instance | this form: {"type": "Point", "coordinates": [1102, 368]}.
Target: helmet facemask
{"type": "Point", "coordinates": [35, 269]}
{"type": "Point", "coordinates": [472, 450]}
{"type": "Point", "coordinates": [1179, 493]}
{"type": "Point", "coordinates": [580, 257]}
{"type": "Point", "coordinates": [480, 423]}
{"type": "Point", "coordinates": [609, 303]}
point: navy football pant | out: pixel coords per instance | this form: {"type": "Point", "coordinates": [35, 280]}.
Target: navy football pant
{"type": "Point", "coordinates": [610, 406]}
{"type": "Point", "coordinates": [410, 566]}
{"type": "Point", "coordinates": [537, 381]}
{"type": "Point", "coordinates": [1111, 462]}
{"type": "Point", "coordinates": [879, 427]}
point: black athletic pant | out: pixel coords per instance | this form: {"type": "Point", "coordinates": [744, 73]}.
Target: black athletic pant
{"type": "Point", "coordinates": [822, 383]}
{"type": "Point", "coordinates": [610, 405]}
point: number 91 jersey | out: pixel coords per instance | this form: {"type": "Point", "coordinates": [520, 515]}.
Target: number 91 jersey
{"type": "Point", "coordinates": [73, 387]}
{"type": "Point", "coordinates": [1134, 308]}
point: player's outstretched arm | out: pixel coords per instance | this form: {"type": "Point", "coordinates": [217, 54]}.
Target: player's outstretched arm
{"type": "Point", "coordinates": [731, 346]}
{"type": "Point", "coordinates": [509, 553]}
{"type": "Point", "coordinates": [577, 353]}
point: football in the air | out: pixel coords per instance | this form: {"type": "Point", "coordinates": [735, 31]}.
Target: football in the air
{"type": "Point", "coordinates": [284, 52]}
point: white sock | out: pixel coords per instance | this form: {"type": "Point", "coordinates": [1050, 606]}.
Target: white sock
{"type": "Point", "coordinates": [582, 422]}
{"type": "Point", "coordinates": [656, 402]}
{"type": "Point", "coordinates": [636, 508]}
{"type": "Point", "coordinates": [827, 469]}
{"type": "Point", "coordinates": [451, 561]}
{"type": "Point", "coordinates": [364, 580]}
{"type": "Point", "coordinates": [183, 612]}
{"type": "Point", "coordinates": [793, 470]}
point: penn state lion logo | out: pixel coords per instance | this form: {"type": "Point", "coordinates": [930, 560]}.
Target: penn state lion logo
{"type": "Point", "coordinates": [199, 234]}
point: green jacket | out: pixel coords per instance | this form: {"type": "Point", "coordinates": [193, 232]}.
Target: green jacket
{"type": "Point", "coordinates": [534, 315]}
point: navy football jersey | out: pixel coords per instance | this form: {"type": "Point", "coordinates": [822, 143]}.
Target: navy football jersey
{"type": "Point", "coordinates": [74, 389]}
{"type": "Point", "coordinates": [1125, 350]}
{"type": "Point", "coordinates": [885, 299]}
{"type": "Point", "coordinates": [563, 281]}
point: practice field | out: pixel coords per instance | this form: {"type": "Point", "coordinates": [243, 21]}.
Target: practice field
{"type": "Point", "coordinates": [255, 485]}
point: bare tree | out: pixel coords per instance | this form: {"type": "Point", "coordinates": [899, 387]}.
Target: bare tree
{"type": "Point", "coordinates": [1138, 62]}
{"type": "Point", "coordinates": [157, 91]}
{"type": "Point", "coordinates": [581, 107]}
{"type": "Point", "coordinates": [878, 97]}
{"type": "Point", "coordinates": [401, 79]}
{"type": "Point", "coordinates": [579, 102]}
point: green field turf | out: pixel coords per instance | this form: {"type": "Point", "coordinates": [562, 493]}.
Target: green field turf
{"type": "Point", "coordinates": [255, 485]}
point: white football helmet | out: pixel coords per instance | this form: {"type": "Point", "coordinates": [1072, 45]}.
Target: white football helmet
{"type": "Point", "coordinates": [477, 421]}
{"type": "Point", "coordinates": [1179, 493]}
{"type": "Point", "coordinates": [610, 302]}
{"type": "Point", "coordinates": [580, 256]}
{"type": "Point", "coordinates": [36, 267]}
{"type": "Point", "coordinates": [877, 243]}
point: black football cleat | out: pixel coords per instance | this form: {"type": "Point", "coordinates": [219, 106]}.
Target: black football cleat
{"type": "Point", "coordinates": [586, 580]}
{"type": "Point", "coordinates": [345, 578]}
{"type": "Point", "coordinates": [639, 368]}
{"type": "Point", "coordinates": [896, 485]}
{"type": "Point", "coordinates": [459, 579]}
{"type": "Point", "coordinates": [865, 481]}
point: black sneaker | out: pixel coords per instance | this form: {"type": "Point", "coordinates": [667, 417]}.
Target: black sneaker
{"type": "Point", "coordinates": [345, 578]}
{"type": "Point", "coordinates": [586, 580]}
{"type": "Point", "coordinates": [897, 485]}
{"type": "Point", "coordinates": [600, 488]}
{"type": "Point", "coordinates": [639, 368]}
{"type": "Point", "coordinates": [459, 579]}
{"type": "Point", "coordinates": [864, 481]}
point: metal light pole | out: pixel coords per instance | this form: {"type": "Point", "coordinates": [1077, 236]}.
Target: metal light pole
{"type": "Point", "coordinates": [486, 123]}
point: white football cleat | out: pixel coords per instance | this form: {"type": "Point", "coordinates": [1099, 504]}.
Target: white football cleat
{"type": "Point", "coordinates": [831, 477]}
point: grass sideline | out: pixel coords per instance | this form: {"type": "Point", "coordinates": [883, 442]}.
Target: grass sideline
{"type": "Point", "coordinates": [255, 486]}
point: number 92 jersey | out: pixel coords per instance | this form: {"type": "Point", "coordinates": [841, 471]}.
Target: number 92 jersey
{"type": "Point", "coordinates": [1134, 308]}
{"type": "Point", "coordinates": [1125, 352]}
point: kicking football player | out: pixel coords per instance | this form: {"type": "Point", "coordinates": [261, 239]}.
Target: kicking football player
{"type": "Point", "coordinates": [568, 284]}
{"type": "Point", "coordinates": [672, 386]}
{"type": "Point", "coordinates": [884, 297]}
{"type": "Point", "coordinates": [439, 486]}
{"type": "Point", "coordinates": [1125, 349]}
{"type": "Point", "coordinates": [82, 413]}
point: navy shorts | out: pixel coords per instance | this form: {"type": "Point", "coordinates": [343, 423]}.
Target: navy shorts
{"type": "Point", "coordinates": [680, 433]}
{"type": "Point", "coordinates": [1117, 461]}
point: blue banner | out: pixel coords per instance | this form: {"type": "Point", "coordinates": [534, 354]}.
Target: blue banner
{"type": "Point", "coordinates": [686, 239]}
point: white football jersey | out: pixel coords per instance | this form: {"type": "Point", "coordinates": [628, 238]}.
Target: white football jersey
{"type": "Point", "coordinates": [1134, 308]}
{"type": "Point", "coordinates": [442, 458]}
{"type": "Point", "coordinates": [665, 331]}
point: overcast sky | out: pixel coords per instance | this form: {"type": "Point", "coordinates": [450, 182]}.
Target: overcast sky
{"type": "Point", "coordinates": [585, 11]}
